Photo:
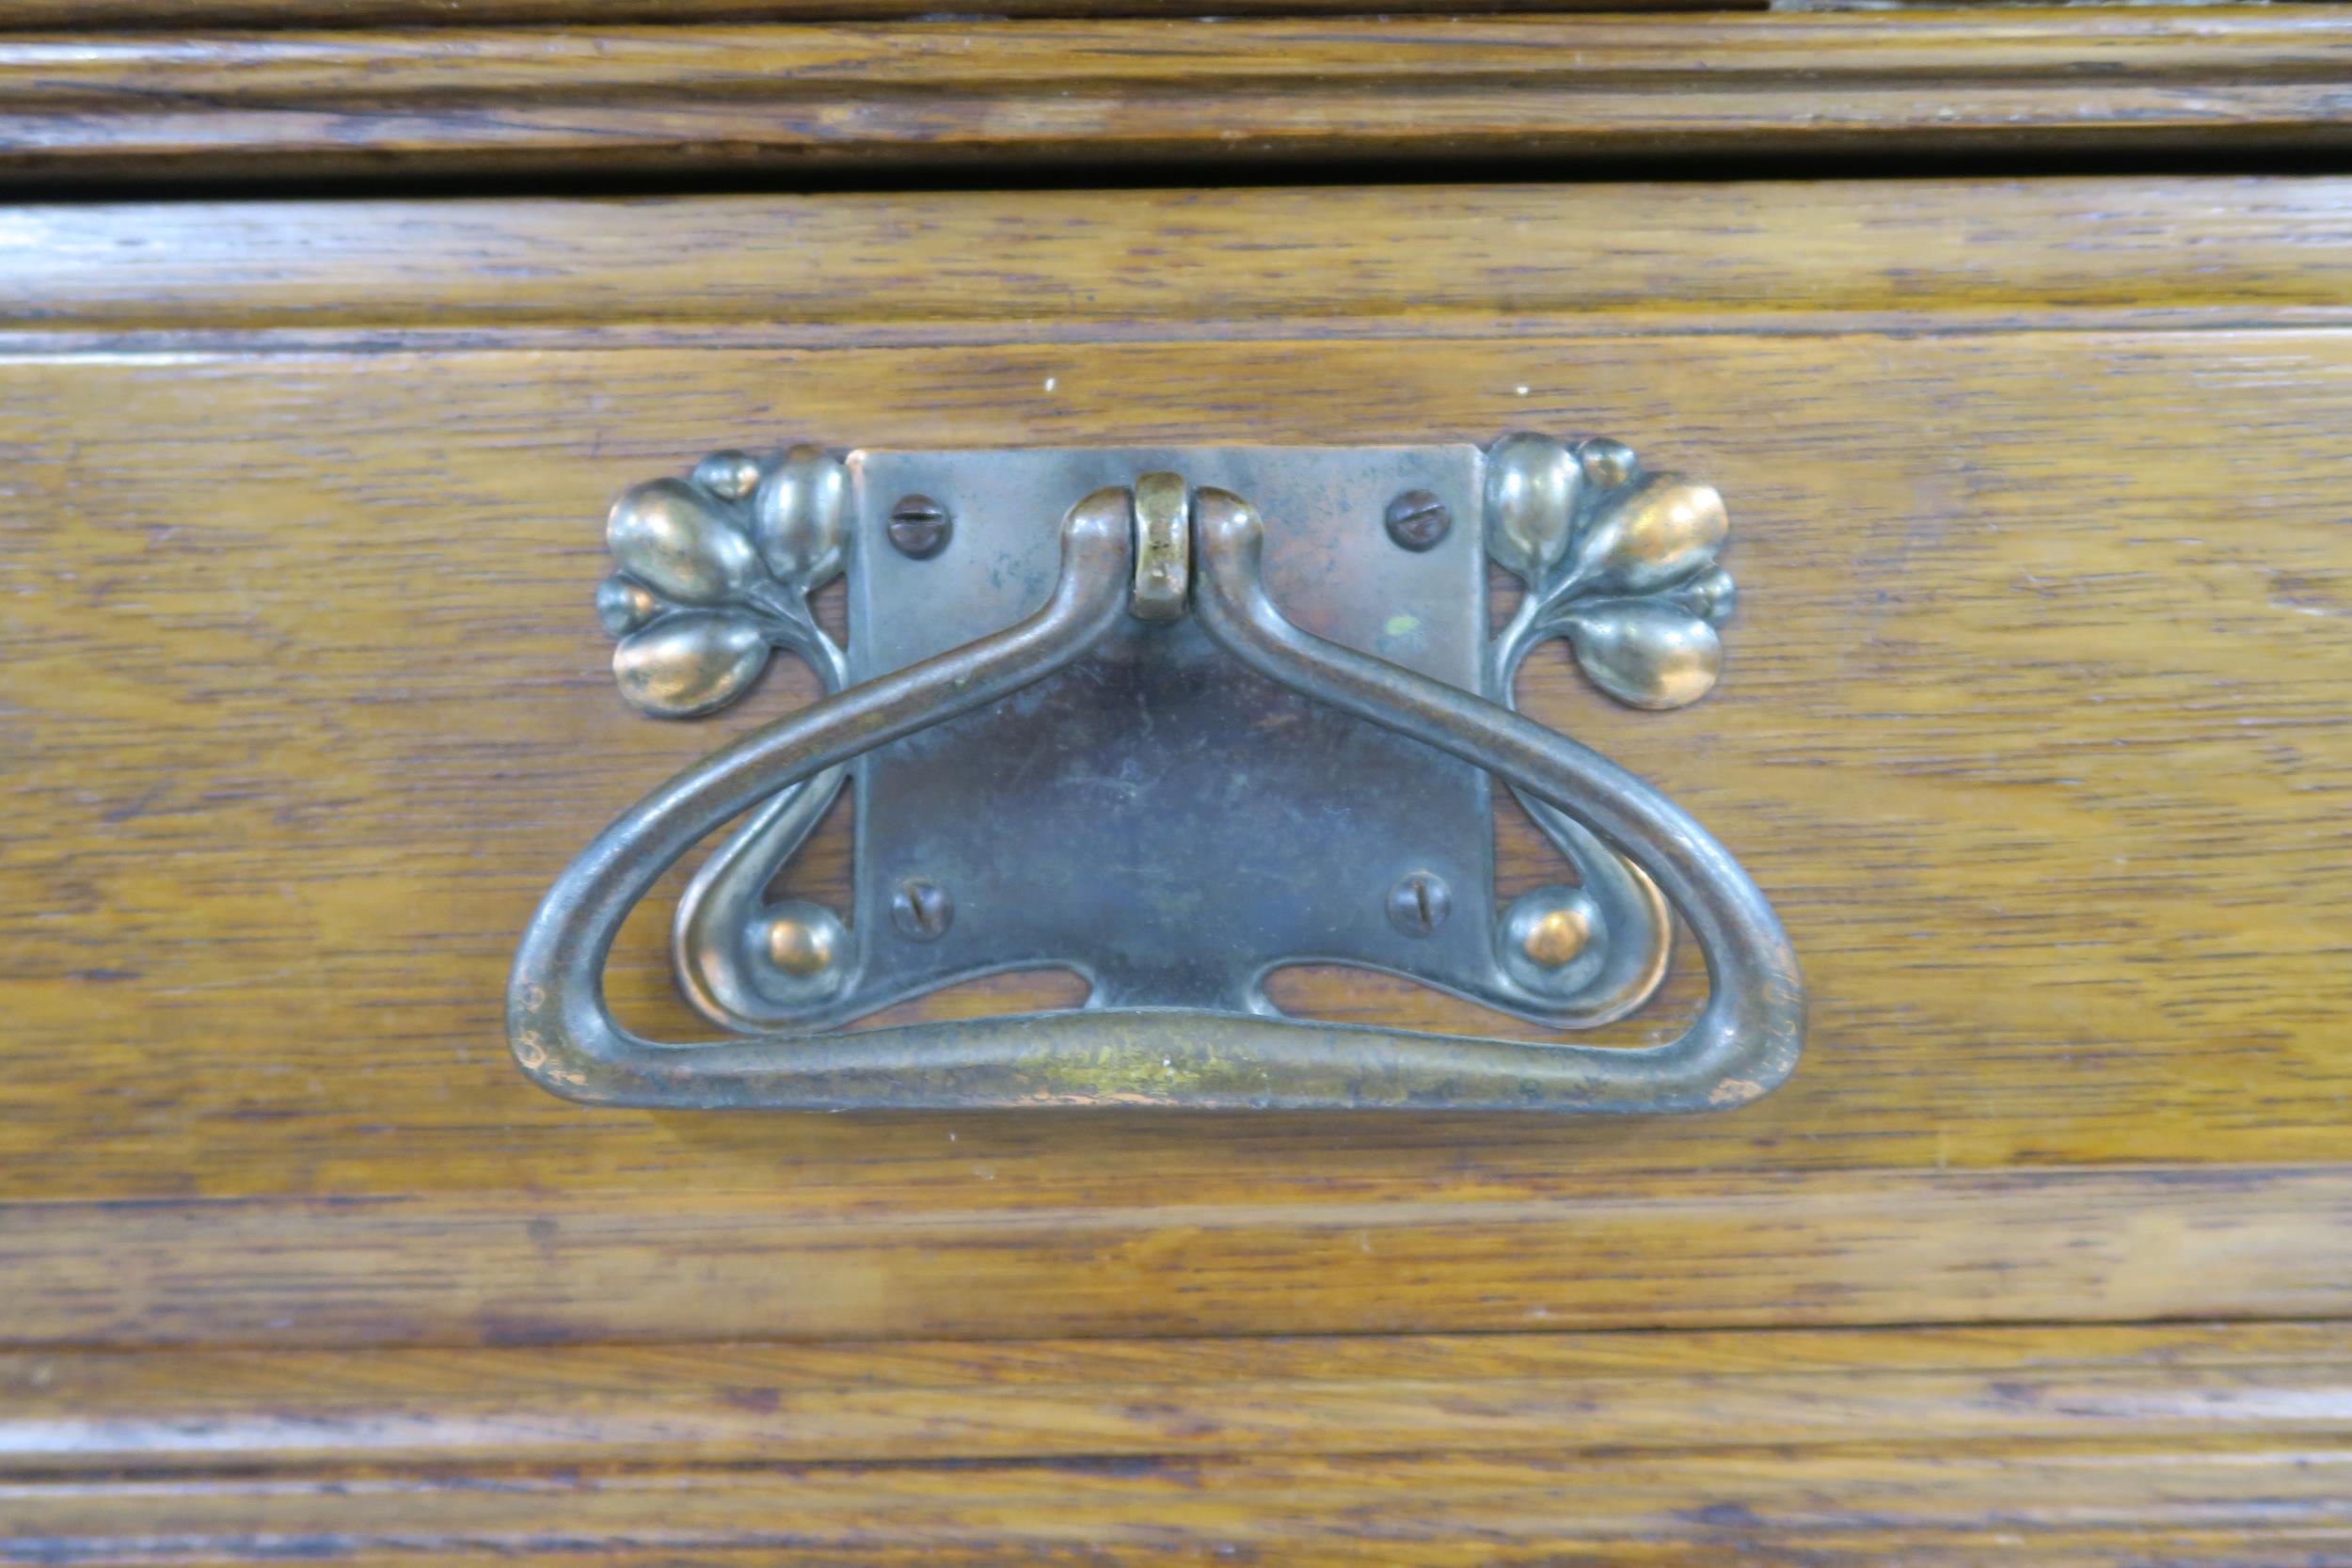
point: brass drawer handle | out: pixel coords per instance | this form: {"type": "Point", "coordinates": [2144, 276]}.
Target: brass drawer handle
{"type": "Point", "coordinates": [1127, 720]}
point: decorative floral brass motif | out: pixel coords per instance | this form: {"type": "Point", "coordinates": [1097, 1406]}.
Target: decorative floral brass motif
{"type": "Point", "coordinates": [1618, 562]}
{"type": "Point", "coordinates": [1621, 564]}
{"type": "Point", "coordinates": [713, 572]}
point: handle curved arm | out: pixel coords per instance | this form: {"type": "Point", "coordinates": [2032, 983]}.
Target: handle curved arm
{"type": "Point", "coordinates": [712, 933]}
{"type": "Point", "coordinates": [557, 1021]}
{"type": "Point", "coordinates": [1747, 1037]}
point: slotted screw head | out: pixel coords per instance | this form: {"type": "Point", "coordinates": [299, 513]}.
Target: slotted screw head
{"type": "Point", "coordinates": [921, 911]}
{"type": "Point", "coordinates": [919, 526]}
{"type": "Point", "coordinates": [1420, 903]}
{"type": "Point", "coordinates": [1418, 520]}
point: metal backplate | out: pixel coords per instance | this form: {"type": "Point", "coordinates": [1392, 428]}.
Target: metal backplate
{"type": "Point", "coordinates": [1156, 818]}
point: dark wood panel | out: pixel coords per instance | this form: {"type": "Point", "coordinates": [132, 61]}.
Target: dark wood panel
{"type": "Point", "coordinates": [1114, 93]}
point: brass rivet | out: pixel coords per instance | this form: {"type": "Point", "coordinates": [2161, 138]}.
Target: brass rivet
{"type": "Point", "coordinates": [799, 948]}
{"type": "Point", "coordinates": [1557, 936]}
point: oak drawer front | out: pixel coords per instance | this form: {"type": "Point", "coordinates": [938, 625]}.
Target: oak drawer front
{"type": "Point", "coordinates": [2032, 729]}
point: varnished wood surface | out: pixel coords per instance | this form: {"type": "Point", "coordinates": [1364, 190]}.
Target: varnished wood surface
{"type": "Point", "coordinates": [2033, 731]}
{"type": "Point", "coordinates": [2024, 255]}
{"type": "Point", "coordinates": [2179, 1444]}
{"type": "Point", "coordinates": [938, 94]}
{"type": "Point", "coordinates": [184, 15]}
{"type": "Point", "coordinates": [197, 737]}
{"type": "Point", "coordinates": [1021, 1231]}
{"type": "Point", "coordinates": [2113, 1505]}
{"type": "Point", "coordinates": [152, 1413]}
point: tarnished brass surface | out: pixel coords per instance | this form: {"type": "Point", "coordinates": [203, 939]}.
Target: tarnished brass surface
{"type": "Point", "coordinates": [1155, 819]}
{"type": "Point", "coordinates": [1746, 1039]}
{"type": "Point", "coordinates": [1177, 1016]}
{"type": "Point", "coordinates": [1163, 545]}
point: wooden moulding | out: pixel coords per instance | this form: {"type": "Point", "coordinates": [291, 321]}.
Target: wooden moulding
{"type": "Point", "coordinates": [160, 1412]}
{"type": "Point", "coordinates": [2186, 1444]}
{"type": "Point", "coordinates": [150, 15]}
{"type": "Point", "coordinates": [1371, 262]}
{"type": "Point", "coordinates": [1024, 93]}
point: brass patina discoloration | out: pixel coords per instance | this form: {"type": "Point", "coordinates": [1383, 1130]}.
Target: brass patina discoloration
{"type": "Point", "coordinates": [1175, 804]}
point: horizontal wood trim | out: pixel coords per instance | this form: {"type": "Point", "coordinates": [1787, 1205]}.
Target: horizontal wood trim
{"type": "Point", "coordinates": [2232, 1496]}
{"type": "Point", "coordinates": [154, 15]}
{"type": "Point", "coordinates": [733, 1403]}
{"type": "Point", "coordinates": [926, 94]}
{"type": "Point", "coordinates": [1519, 260]}
{"type": "Point", "coordinates": [1750, 1250]}
{"type": "Point", "coordinates": [2202, 1443]}
{"type": "Point", "coordinates": [2056, 1506]}
{"type": "Point", "coordinates": [2125, 1506]}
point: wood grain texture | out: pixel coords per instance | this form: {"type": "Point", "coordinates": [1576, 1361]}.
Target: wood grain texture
{"type": "Point", "coordinates": [186, 15]}
{"type": "Point", "coordinates": [2181, 1444]}
{"type": "Point", "coordinates": [2022, 687]}
{"type": "Point", "coordinates": [933, 95]}
{"type": "Point", "coordinates": [983, 1250]}
{"type": "Point", "coordinates": [2033, 732]}
{"type": "Point", "coordinates": [931, 1402]}
{"type": "Point", "coordinates": [2013, 255]}
{"type": "Point", "coordinates": [2138, 1503]}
